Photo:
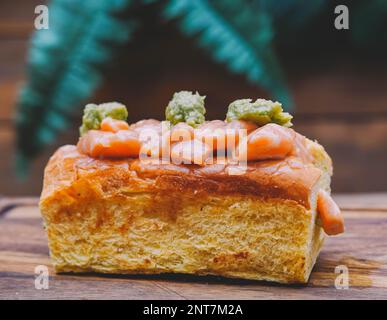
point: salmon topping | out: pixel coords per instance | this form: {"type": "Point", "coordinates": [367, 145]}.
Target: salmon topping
{"type": "Point", "coordinates": [329, 214]}
{"type": "Point", "coordinates": [113, 125]}
{"type": "Point", "coordinates": [181, 132]}
{"type": "Point", "coordinates": [270, 142]}
{"type": "Point", "coordinates": [190, 152]}
{"type": "Point", "coordinates": [105, 144]}
{"type": "Point", "coordinates": [117, 139]}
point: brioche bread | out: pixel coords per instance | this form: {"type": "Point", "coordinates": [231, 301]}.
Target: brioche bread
{"type": "Point", "coordinates": [125, 217]}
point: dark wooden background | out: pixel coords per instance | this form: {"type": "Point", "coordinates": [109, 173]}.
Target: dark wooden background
{"type": "Point", "coordinates": [341, 96]}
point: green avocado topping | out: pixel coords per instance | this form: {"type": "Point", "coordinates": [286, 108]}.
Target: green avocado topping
{"type": "Point", "coordinates": [93, 114]}
{"type": "Point", "coordinates": [260, 112]}
{"type": "Point", "coordinates": [186, 107]}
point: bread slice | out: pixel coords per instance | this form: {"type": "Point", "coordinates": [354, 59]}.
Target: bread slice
{"type": "Point", "coordinates": [126, 217]}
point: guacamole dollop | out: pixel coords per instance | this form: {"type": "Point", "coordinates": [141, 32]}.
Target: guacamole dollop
{"type": "Point", "coordinates": [186, 106]}
{"type": "Point", "coordinates": [93, 114]}
{"type": "Point", "coordinates": [260, 112]}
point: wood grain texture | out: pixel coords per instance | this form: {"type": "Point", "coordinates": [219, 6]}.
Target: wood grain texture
{"type": "Point", "coordinates": [362, 249]}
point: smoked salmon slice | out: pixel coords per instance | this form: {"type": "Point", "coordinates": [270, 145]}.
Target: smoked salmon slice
{"type": "Point", "coordinates": [147, 124]}
{"type": "Point", "coordinates": [192, 151]}
{"type": "Point", "coordinates": [213, 133]}
{"type": "Point", "coordinates": [242, 124]}
{"type": "Point", "coordinates": [113, 125]}
{"type": "Point", "coordinates": [101, 144]}
{"type": "Point", "coordinates": [271, 141]}
{"type": "Point", "coordinates": [181, 132]}
{"type": "Point", "coordinates": [154, 142]}
{"type": "Point", "coordinates": [237, 130]}
{"type": "Point", "coordinates": [221, 135]}
{"type": "Point", "coordinates": [329, 213]}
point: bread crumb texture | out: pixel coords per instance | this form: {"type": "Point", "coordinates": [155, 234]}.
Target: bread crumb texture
{"type": "Point", "coordinates": [232, 236]}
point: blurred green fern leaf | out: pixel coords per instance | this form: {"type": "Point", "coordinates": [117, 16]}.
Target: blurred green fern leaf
{"type": "Point", "coordinates": [237, 33]}
{"type": "Point", "coordinates": [64, 67]}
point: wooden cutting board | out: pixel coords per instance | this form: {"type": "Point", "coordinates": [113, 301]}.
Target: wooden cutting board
{"type": "Point", "coordinates": [362, 251]}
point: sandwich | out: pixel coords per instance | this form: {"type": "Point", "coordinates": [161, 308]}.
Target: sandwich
{"type": "Point", "coordinates": [246, 197]}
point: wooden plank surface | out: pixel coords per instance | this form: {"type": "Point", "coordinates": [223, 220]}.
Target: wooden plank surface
{"type": "Point", "coordinates": [362, 249]}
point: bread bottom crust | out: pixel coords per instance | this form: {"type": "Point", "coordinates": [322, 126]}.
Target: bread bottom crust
{"type": "Point", "coordinates": [148, 232]}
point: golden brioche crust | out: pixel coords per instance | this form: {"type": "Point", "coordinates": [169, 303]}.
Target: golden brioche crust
{"type": "Point", "coordinates": [289, 179]}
